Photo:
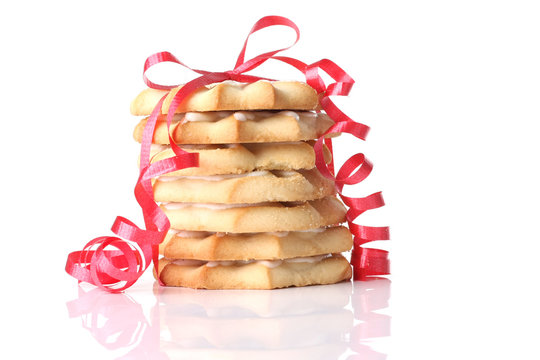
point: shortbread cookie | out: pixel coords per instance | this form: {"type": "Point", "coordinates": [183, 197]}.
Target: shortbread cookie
{"type": "Point", "coordinates": [252, 187]}
{"type": "Point", "coordinates": [253, 127]}
{"type": "Point", "coordinates": [261, 217]}
{"type": "Point", "coordinates": [255, 275]}
{"type": "Point", "coordinates": [244, 158]}
{"type": "Point", "coordinates": [231, 95]}
{"type": "Point", "coordinates": [206, 246]}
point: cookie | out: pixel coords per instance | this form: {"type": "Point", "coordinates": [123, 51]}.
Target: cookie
{"type": "Point", "coordinates": [252, 187]}
{"type": "Point", "coordinates": [201, 245]}
{"type": "Point", "coordinates": [253, 127]}
{"type": "Point", "coordinates": [255, 275]}
{"type": "Point", "coordinates": [244, 158]}
{"type": "Point", "coordinates": [260, 217]}
{"type": "Point", "coordinates": [231, 95]}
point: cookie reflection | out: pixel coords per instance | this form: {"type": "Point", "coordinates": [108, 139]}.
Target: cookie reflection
{"type": "Point", "coordinates": [368, 297]}
{"type": "Point", "coordinates": [308, 322]}
{"type": "Point", "coordinates": [316, 322]}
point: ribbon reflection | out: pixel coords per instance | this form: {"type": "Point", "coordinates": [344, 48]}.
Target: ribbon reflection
{"type": "Point", "coordinates": [315, 322]}
{"type": "Point", "coordinates": [369, 296]}
{"type": "Point", "coordinates": [118, 322]}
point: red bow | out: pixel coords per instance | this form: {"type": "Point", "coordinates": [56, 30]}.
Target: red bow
{"type": "Point", "coordinates": [116, 270]}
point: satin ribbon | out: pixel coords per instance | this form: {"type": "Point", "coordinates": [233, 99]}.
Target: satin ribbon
{"type": "Point", "coordinates": [116, 270]}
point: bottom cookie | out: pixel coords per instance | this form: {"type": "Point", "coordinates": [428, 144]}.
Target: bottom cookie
{"type": "Point", "coordinates": [316, 270]}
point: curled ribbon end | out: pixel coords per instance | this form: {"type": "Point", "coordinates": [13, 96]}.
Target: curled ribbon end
{"type": "Point", "coordinates": [111, 270]}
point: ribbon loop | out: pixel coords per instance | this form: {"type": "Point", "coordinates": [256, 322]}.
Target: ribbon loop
{"type": "Point", "coordinates": [357, 161]}
{"type": "Point", "coordinates": [372, 201]}
{"type": "Point", "coordinates": [356, 129]}
{"type": "Point", "coordinates": [267, 21]}
{"type": "Point", "coordinates": [106, 268]}
{"type": "Point", "coordinates": [343, 83]}
{"type": "Point", "coordinates": [160, 57]}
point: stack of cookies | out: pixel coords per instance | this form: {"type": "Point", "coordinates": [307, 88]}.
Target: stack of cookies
{"type": "Point", "coordinates": [256, 213]}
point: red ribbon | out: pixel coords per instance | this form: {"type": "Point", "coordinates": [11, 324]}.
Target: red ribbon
{"type": "Point", "coordinates": [116, 270]}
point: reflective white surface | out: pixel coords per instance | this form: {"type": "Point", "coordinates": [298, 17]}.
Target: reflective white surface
{"type": "Point", "coordinates": [319, 322]}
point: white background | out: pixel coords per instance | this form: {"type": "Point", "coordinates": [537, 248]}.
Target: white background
{"type": "Point", "coordinates": [451, 92]}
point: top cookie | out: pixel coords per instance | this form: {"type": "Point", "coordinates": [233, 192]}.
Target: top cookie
{"type": "Point", "coordinates": [231, 95]}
